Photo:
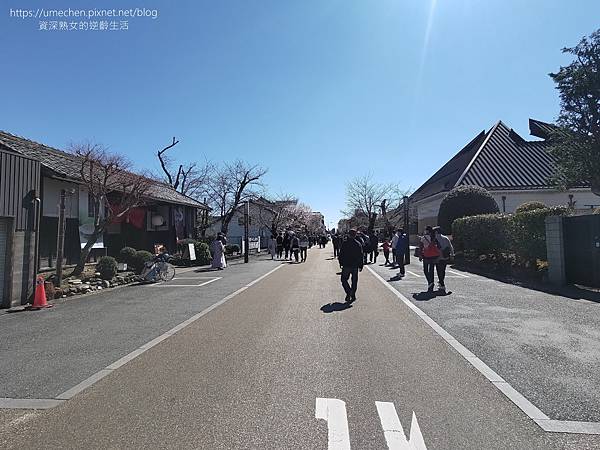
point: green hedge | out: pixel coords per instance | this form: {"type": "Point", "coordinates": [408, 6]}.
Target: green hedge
{"type": "Point", "coordinates": [483, 234]}
{"type": "Point", "coordinates": [521, 234]}
{"type": "Point", "coordinates": [528, 232]}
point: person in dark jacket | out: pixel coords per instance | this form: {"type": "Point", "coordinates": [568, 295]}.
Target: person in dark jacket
{"type": "Point", "coordinates": [401, 249]}
{"type": "Point", "coordinates": [336, 241]}
{"type": "Point", "coordinates": [351, 259]}
{"type": "Point", "coordinates": [279, 248]}
{"type": "Point", "coordinates": [287, 240]}
{"type": "Point", "coordinates": [374, 248]}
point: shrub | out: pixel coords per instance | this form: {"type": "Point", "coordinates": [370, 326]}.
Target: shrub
{"type": "Point", "coordinates": [140, 258]}
{"type": "Point", "coordinates": [126, 255]}
{"type": "Point", "coordinates": [203, 255]}
{"type": "Point", "coordinates": [107, 266]}
{"type": "Point", "coordinates": [464, 201]}
{"type": "Point", "coordinates": [528, 232]}
{"type": "Point", "coordinates": [529, 206]}
{"type": "Point", "coordinates": [482, 234]}
{"type": "Point", "coordinates": [230, 249]}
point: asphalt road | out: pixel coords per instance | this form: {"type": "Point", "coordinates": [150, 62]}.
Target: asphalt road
{"type": "Point", "coordinates": [543, 341]}
{"type": "Point", "coordinates": [248, 375]}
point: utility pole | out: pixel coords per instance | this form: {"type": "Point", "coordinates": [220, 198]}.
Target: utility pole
{"type": "Point", "coordinates": [406, 230]}
{"type": "Point", "coordinates": [246, 230]}
{"type": "Point", "coordinates": [60, 240]}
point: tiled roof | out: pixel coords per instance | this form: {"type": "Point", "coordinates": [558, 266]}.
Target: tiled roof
{"type": "Point", "coordinates": [499, 159]}
{"type": "Point", "coordinates": [67, 165]}
{"type": "Point", "coordinates": [541, 129]}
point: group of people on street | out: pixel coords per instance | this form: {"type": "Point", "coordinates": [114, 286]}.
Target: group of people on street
{"type": "Point", "coordinates": [290, 244]}
{"type": "Point", "coordinates": [435, 251]}
{"type": "Point", "coordinates": [356, 248]}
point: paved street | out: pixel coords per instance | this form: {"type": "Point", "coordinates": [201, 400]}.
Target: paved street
{"type": "Point", "coordinates": [256, 370]}
{"type": "Point", "coordinates": [543, 341]}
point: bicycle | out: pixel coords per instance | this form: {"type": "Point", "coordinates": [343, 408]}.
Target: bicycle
{"type": "Point", "coordinates": [159, 269]}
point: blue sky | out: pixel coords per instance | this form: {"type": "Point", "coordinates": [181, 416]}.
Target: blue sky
{"type": "Point", "coordinates": [318, 91]}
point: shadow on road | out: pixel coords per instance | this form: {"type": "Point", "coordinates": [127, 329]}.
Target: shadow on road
{"type": "Point", "coordinates": [426, 296]}
{"type": "Point", "coordinates": [335, 307]}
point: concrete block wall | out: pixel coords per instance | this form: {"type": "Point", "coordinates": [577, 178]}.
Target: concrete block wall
{"type": "Point", "coordinates": [556, 250]}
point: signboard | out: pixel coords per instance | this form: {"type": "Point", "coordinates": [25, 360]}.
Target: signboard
{"type": "Point", "coordinates": [192, 251]}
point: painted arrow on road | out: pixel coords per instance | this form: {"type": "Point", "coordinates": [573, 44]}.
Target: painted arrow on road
{"type": "Point", "coordinates": [333, 411]}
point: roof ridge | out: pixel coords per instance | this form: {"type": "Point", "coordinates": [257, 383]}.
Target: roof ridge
{"type": "Point", "coordinates": [54, 149]}
{"type": "Point", "coordinates": [478, 152]}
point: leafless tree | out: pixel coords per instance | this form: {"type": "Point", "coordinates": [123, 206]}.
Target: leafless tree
{"type": "Point", "coordinates": [231, 184]}
{"type": "Point", "coordinates": [112, 189]}
{"type": "Point", "coordinates": [364, 197]}
{"type": "Point", "coordinates": [190, 179]}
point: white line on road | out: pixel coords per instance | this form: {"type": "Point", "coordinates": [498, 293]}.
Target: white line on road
{"type": "Point", "coordinates": [457, 273]}
{"type": "Point", "coordinates": [532, 411]}
{"type": "Point", "coordinates": [333, 411]}
{"type": "Point", "coordinates": [25, 403]}
{"type": "Point", "coordinates": [167, 284]}
{"type": "Point", "coordinates": [393, 431]}
{"type": "Point", "coordinates": [408, 271]}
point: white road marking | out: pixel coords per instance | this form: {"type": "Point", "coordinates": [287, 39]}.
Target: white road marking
{"type": "Point", "coordinates": [545, 423]}
{"type": "Point", "coordinates": [393, 431]}
{"type": "Point", "coordinates": [333, 411]}
{"type": "Point", "coordinates": [34, 403]}
{"type": "Point", "coordinates": [412, 273]}
{"type": "Point", "coordinates": [167, 284]}
{"type": "Point", "coordinates": [457, 273]}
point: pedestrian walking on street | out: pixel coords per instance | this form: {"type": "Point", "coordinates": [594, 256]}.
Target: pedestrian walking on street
{"type": "Point", "coordinates": [272, 246]}
{"type": "Point", "coordinates": [394, 243]}
{"type": "Point", "coordinates": [430, 253]}
{"type": "Point", "coordinates": [374, 249]}
{"type": "Point", "coordinates": [400, 250]}
{"type": "Point", "coordinates": [447, 254]}
{"type": "Point", "coordinates": [279, 245]}
{"type": "Point", "coordinates": [351, 261]}
{"type": "Point", "coordinates": [294, 247]}
{"type": "Point", "coordinates": [363, 237]}
{"type": "Point", "coordinates": [303, 247]}
{"type": "Point", "coordinates": [336, 241]}
{"type": "Point", "coordinates": [286, 245]}
{"type": "Point", "coordinates": [218, 253]}
{"type": "Point", "coordinates": [386, 251]}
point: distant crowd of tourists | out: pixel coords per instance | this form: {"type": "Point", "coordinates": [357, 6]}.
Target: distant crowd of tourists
{"type": "Point", "coordinates": [292, 244]}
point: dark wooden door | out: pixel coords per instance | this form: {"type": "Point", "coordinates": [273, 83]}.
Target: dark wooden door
{"type": "Point", "coordinates": [582, 249]}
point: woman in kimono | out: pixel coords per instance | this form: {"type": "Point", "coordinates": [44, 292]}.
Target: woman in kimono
{"type": "Point", "coordinates": [218, 253]}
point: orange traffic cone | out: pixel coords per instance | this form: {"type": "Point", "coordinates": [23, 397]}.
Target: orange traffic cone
{"type": "Point", "coordinates": [39, 300]}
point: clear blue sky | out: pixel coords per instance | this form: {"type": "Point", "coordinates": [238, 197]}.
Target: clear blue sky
{"type": "Point", "coordinates": [318, 91]}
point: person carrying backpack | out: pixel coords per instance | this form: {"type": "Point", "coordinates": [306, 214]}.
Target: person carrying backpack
{"type": "Point", "coordinates": [429, 254]}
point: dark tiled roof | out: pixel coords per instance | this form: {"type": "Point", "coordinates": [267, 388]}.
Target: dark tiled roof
{"type": "Point", "coordinates": [507, 161]}
{"type": "Point", "coordinates": [541, 129]}
{"type": "Point", "coordinates": [445, 178]}
{"type": "Point", "coordinates": [67, 165]}
{"type": "Point", "coordinates": [497, 160]}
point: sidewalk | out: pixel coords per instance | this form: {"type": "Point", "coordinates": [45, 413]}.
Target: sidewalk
{"type": "Point", "coordinates": [546, 345]}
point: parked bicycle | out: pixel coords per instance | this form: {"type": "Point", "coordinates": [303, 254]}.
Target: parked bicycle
{"type": "Point", "coordinates": [159, 269]}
